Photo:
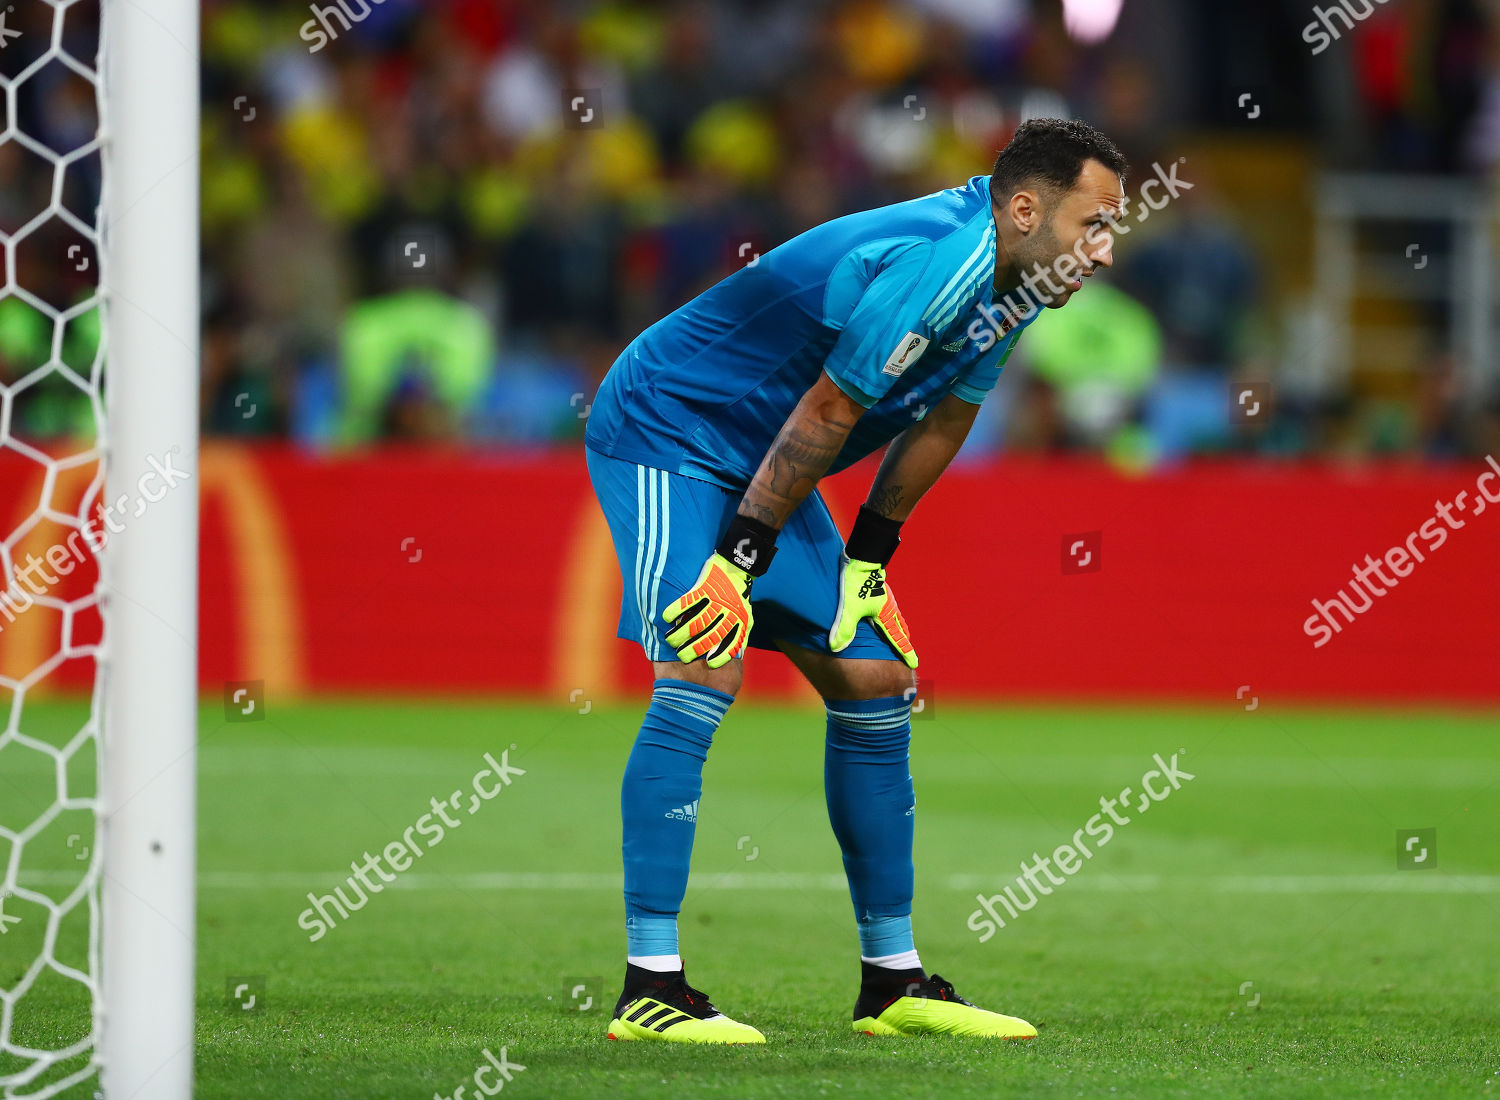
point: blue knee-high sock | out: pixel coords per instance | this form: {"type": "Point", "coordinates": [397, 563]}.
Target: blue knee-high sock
{"type": "Point", "coordinates": [871, 806]}
{"type": "Point", "coordinates": [659, 809]}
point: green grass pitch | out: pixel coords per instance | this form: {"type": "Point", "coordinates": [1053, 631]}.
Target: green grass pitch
{"type": "Point", "coordinates": [1249, 935]}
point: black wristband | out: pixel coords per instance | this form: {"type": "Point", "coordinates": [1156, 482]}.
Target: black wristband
{"type": "Point", "coordinates": [750, 544]}
{"type": "Point", "coordinates": [874, 537]}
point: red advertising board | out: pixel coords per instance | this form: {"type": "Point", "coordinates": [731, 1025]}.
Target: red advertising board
{"type": "Point", "coordinates": [437, 571]}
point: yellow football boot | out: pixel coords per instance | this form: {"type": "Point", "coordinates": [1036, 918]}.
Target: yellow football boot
{"type": "Point", "coordinates": [931, 1007]}
{"type": "Point", "coordinates": [662, 1006]}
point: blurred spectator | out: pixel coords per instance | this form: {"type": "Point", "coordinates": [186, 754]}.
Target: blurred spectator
{"type": "Point", "coordinates": [1099, 354]}
{"type": "Point", "coordinates": [448, 219]}
{"type": "Point", "coordinates": [1199, 279]}
{"type": "Point", "coordinates": [414, 365]}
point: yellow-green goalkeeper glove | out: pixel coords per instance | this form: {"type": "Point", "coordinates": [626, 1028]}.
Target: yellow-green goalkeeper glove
{"type": "Point", "coordinates": [864, 592]}
{"type": "Point", "coordinates": [712, 619]}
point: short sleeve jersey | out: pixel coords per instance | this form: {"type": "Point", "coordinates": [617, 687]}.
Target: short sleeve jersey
{"type": "Point", "coordinates": [896, 304]}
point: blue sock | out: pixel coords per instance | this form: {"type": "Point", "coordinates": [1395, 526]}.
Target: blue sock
{"type": "Point", "coordinates": [871, 806]}
{"type": "Point", "coordinates": [659, 809]}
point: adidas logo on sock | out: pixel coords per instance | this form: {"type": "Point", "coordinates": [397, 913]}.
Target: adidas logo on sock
{"type": "Point", "coordinates": [684, 813]}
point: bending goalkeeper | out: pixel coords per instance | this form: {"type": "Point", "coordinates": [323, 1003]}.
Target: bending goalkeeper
{"type": "Point", "coordinates": [705, 447]}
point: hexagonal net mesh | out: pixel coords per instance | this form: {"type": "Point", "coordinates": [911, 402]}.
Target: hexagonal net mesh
{"type": "Point", "coordinates": [51, 478]}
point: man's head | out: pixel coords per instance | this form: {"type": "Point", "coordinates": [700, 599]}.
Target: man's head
{"type": "Point", "coordinates": [1056, 189]}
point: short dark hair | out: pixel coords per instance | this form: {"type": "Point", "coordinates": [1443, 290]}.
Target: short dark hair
{"type": "Point", "coordinates": [1050, 153]}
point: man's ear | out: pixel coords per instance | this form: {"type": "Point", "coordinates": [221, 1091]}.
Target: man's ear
{"type": "Point", "coordinates": [1025, 211]}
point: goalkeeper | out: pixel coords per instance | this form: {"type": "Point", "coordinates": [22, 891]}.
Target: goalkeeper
{"type": "Point", "coordinates": [705, 447]}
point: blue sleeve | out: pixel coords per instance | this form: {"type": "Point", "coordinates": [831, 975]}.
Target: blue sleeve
{"type": "Point", "coordinates": [979, 377]}
{"type": "Point", "coordinates": [876, 295]}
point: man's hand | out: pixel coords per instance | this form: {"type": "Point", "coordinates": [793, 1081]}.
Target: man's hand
{"type": "Point", "coordinates": [864, 594]}
{"type": "Point", "coordinates": [911, 466]}
{"type": "Point", "coordinates": [712, 619]}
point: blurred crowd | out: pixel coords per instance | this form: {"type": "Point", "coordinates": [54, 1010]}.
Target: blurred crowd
{"type": "Point", "coordinates": [442, 220]}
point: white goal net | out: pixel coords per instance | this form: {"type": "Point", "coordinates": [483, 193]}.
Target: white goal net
{"type": "Point", "coordinates": [51, 481]}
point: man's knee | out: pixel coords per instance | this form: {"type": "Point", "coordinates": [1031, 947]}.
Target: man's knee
{"type": "Point", "coordinates": [894, 678]}
{"type": "Point", "coordinates": [871, 679]}
{"type": "Point", "coordinates": [726, 678]}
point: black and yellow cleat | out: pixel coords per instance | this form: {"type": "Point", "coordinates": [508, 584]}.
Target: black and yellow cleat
{"type": "Point", "coordinates": [915, 1004]}
{"type": "Point", "coordinates": [662, 1006]}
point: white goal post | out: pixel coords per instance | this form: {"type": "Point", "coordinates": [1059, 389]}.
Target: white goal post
{"type": "Point", "coordinates": [99, 370]}
{"type": "Point", "coordinates": [149, 271]}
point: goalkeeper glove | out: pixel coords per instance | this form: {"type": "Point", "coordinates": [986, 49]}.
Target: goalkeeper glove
{"type": "Point", "coordinates": [863, 590]}
{"type": "Point", "coordinates": [712, 619]}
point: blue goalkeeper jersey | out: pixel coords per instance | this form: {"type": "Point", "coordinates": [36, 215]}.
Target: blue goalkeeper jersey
{"type": "Point", "coordinates": [896, 304]}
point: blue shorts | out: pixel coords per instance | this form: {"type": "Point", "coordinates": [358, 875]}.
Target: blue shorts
{"type": "Point", "coordinates": [665, 526]}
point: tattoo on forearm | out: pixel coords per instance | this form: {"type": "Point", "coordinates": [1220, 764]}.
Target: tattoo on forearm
{"type": "Point", "coordinates": [885, 499]}
{"type": "Point", "coordinates": [797, 460]}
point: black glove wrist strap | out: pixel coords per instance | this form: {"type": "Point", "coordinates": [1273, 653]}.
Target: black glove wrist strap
{"type": "Point", "coordinates": [750, 544]}
{"type": "Point", "coordinates": [874, 537]}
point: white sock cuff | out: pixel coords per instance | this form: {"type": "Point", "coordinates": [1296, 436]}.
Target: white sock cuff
{"type": "Point", "coordinates": [662, 964]}
{"type": "Point", "coordinates": [905, 960]}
